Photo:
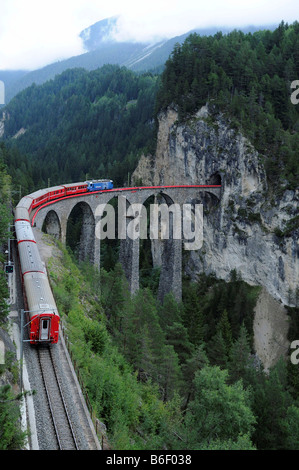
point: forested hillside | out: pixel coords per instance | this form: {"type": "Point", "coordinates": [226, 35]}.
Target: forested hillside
{"type": "Point", "coordinates": [168, 376]}
{"type": "Point", "coordinates": [248, 76]}
{"type": "Point", "coordinates": [5, 220]}
{"type": "Point", "coordinates": [99, 122]}
{"type": "Point", "coordinates": [11, 435]}
{"type": "Point", "coordinates": [82, 123]}
{"type": "Point", "coordinates": [175, 376]}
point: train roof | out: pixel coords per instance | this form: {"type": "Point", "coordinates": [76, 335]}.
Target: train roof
{"type": "Point", "coordinates": [30, 258]}
{"type": "Point", "coordinates": [98, 181]}
{"type": "Point", "coordinates": [55, 188]}
{"type": "Point", "coordinates": [39, 193]}
{"type": "Point", "coordinates": [25, 202]}
{"type": "Point", "coordinates": [23, 230]}
{"type": "Point", "coordinates": [39, 294]}
{"type": "Point", "coordinates": [21, 213]}
{"type": "Point", "coordinates": [69, 185]}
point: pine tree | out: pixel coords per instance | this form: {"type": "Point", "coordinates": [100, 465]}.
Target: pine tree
{"type": "Point", "coordinates": [225, 328]}
{"type": "Point", "coordinates": [219, 412]}
{"type": "Point", "coordinates": [272, 400]}
{"type": "Point", "coordinates": [217, 350]}
{"type": "Point", "coordinates": [192, 314]}
{"type": "Point", "coordinates": [169, 373]}
{"type": "Point", "coordinates": [177, 336]}
{"type": "Point", "coordinates": [240, 363]}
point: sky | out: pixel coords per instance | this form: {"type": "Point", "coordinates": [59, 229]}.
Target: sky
{"type": "Point", "coordinates": [34, 33]}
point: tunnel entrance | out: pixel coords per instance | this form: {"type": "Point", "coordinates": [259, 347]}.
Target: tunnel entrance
{"type": "Point", "coordinates": [215, 178]}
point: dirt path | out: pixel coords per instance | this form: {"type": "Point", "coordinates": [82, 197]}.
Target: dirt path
{"type": "Point", "coordinates": [45, 245]}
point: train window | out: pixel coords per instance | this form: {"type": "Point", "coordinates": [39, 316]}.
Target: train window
{"type": "Point", "coordinates": [44, 329]}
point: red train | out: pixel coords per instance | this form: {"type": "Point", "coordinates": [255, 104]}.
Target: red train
{"type": "Point", "coordinates": [42, 312]}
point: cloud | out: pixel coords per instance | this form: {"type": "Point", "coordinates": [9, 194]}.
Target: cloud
{"type": "Point", "coordinates": [34, 33]}
{"type": "Point", "coordinates": [167, 18]}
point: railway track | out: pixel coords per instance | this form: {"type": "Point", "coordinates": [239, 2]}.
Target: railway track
{"type": "Point", "coordinates": [65, 435]}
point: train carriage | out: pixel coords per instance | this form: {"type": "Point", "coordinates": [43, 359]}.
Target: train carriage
{"type": "Point", "coordinates": [42, 316]}
{"type": "Point", "coordinates": [23, 209]}
{"type": "Point", "coordinates": [23, 231]}
{"type": "Point", "coordinates": [30, 258]}
{"type": "Point", "coordinates": [39, 197]}
{"type": "Point", "coordinates": [75, 188]}
{"type": "Point", "coordinates": [56, 192]}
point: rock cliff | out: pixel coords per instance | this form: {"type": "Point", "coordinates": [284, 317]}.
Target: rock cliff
{"type": "Point", "coordinates": [252, 230]}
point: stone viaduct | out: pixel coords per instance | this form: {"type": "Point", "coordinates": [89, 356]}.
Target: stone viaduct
{"type": "Point", "coordinates": [53, 218]}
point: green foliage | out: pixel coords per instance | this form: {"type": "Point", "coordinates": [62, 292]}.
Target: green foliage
{"type": "Point", "coordinates": [11, 436]}
{"type": "Point", "coordinates": [219, 412]}
{"type": "Point", "coordinates": [5, 195]}
{"type": "Point", "coordinates": [157, 386]}
{"type": "Point", "coordinates": [98, 123]}
{"type": "Point", "coordinates": [13, 168]}
{"type": "Point", "coordinates": [5, 220]}
{"type": "Point", "coordinates": [165, 376]}
{"type": "Point", "coordinates": [97, 334]}
{"type": "Point", "coordinates": [82, 123]}
{"type": "Point", "coordinates": [272, 399]}
{"type": "Point", "coordinates": [3, 297]}
{"type": "Point", "coordinates": [240, 363]}
{"type": "Point", "coordinates": [214, 307]}
{"type": "Point", "coordinates": [290, 425]}
{"type": "Point", "coordinates": [117, 347]}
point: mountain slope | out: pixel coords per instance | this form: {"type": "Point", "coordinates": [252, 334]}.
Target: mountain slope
{"type": "Point", "coordinates": [95, 122]}
{"type": "Point", "coordinates": [103, 49]}
{"type": "Point", "coordinates": [99, 34]}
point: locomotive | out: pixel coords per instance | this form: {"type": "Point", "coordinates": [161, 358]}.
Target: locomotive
{"type": "Point", "coordinates": [42, 313]}
{"type": "Point", "coordinates": [97, 185]}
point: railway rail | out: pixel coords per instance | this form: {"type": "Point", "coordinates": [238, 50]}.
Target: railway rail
{"type": "Point", "coordinates": [66, 438]}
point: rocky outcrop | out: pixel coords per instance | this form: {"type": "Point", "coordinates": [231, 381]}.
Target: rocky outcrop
{"type": "Point", "coordinates": [252, 230]}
